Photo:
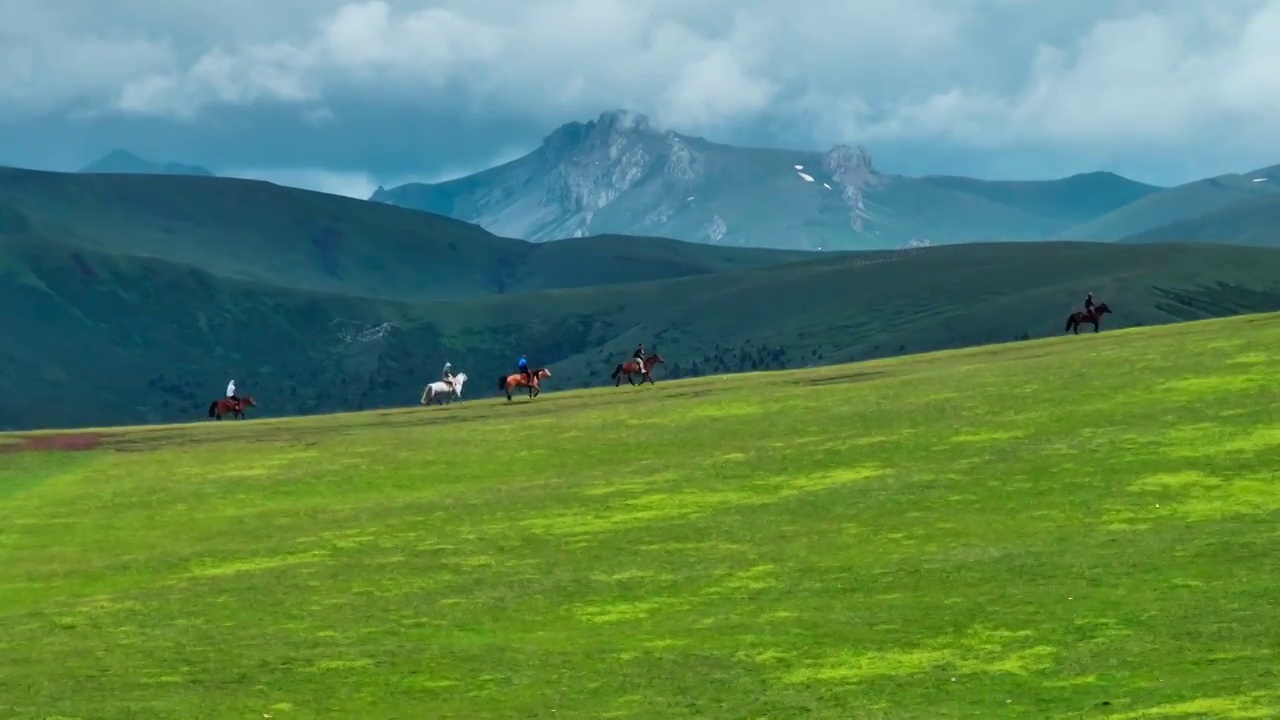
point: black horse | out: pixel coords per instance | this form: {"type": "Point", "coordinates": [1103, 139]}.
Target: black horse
{"type": "Point", "coordinates": [1079, 317]}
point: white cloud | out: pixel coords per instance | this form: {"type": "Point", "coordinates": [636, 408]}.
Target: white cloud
{"type": "Point", "coordinates": [358, 184]}
{"type": "Point", "coordinates": [1145, 80]}
{"type": "Point", "coordinates": [1095, 75]}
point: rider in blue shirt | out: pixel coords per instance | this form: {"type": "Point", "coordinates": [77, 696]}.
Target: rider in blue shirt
{"type": "Point", "coordinates": [523, 366]}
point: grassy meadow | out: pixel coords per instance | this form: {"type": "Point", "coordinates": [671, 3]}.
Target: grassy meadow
{"type": "Point", "coordinates": [1081, 527]}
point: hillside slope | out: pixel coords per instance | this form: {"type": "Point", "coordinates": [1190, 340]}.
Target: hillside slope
{"type": "Point", "coordinates": [1183, 202]}
{"type": "Point", "coordinates": [1082, 527]}
{"type": "Point", "coordinates": [621, 174]}
{"type": "Point", "coordinates": [1251, 222]}
{"type": "Point", "coordinates": [257, 231]}
{"type": "Point", "coordinates": [106, 339]}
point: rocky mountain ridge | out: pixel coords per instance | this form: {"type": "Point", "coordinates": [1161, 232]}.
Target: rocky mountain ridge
{"type": "Point", "coordinates": [620, 173]}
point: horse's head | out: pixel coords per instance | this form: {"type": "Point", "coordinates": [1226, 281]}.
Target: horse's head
{"type": "Point", "coordinates": [247, 401]}
{"type": "Point", "coordinates": [653, 360]}
{"type": "Point", "coordinates": [1102, 309]}
{"type": "Point", "coordinates": [543, 373]}
{"type": "Point", "coordinates": [458, 381]}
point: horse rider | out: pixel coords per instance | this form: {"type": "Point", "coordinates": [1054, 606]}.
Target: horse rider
{"type": "Point", "coordinates": [1088, 304]}
{"type": "Point", "coordinates": [448, 375]}
{"type": "Point", "coordinates": [638, 356]}
{"type": "Point", "coordinates": [231, 394]}
{"type": "Point", "coordinates": [522, 366]}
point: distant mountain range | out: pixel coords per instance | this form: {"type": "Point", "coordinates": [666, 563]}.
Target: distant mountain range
{"type": "Point", "coordinates": [621, 174]}
{"type": "Point", "coordinates": [125, 162]}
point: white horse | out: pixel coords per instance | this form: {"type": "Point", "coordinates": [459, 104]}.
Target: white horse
{"type": "Point", "coordinates": [440, 389]}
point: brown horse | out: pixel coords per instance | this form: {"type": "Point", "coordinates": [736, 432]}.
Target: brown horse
{"type": "Point", "coordinates": [1078, 318]}
{"type": "Point", "coordinates": [515, 380]}
{"type": "Point", "coordinates": [629, 368]}
{"type": "Point", "coordinates": [226, 406]}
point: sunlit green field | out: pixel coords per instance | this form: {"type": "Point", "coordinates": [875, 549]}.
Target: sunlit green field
{"type": "Point", "coordinates": [1076, 528]}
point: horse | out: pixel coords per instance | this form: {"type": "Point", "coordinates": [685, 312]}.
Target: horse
{"type": "Point", "coordinates": [515, 380]}
{"type": "Point", "coordinates": [629, 368]}
{"type": "Point", "coordinates": [218, 408]}
{"type": "Point", "coordinates": [440, 389]}
{"type": "Point", "coordinates": [1079, 317]}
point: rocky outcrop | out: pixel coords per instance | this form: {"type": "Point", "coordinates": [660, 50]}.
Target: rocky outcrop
{"type": "Point", "coordinates": [853, 172]}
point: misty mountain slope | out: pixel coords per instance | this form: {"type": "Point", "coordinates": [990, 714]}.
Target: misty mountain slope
{"type": "Point", "coordinates": [1075, 199]}
{"type": "Point", "coordinates": [126, 163]}
{"type": "Point", "coordinates": [620, 174]}
{"type": "Point", "coordinates": [1250, 222]}
{"type": "Point", "coordinates": [1181, 202]}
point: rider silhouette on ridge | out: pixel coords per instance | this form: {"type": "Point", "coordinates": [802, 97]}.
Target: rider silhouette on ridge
{"type": "Point", "coordinates": [231, 394]}
{"type": "Point", "coordinates": [638, 356]}
{"type": "Point", "coordinates": [1089, 305]}
{"type": "Point", "coordinates": [523, 366]}
{"type": "Point", "coordinates": [447, 375]}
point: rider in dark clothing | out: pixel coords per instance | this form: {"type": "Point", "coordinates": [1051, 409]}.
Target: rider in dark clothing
{"type": "Point", "coordinates": [523, 366]}
{"type": "Point", "coordinates": [638, 356]}
{"type": "Point", "coordinates": [1088, 303]}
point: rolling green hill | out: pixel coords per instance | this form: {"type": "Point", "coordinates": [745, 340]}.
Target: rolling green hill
{"type": "Point", "coordinates": [257, 231]}
{"type": "Point", "coordinates": [1064, 202]}
{"type": "Point", "coordinates": [1250, 222]}
{"type": "Point", "coordinates": [1076, 528]}
{"type": "Point", "coordinates": [106, 339]}
{"type": "Point", "coordinates": [1183, 202]}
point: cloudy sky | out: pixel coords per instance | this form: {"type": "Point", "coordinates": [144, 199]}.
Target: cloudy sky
{"type": "Point", "coordinates": [343, 94]}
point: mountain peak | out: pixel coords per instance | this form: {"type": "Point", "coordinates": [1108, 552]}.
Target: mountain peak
{"type": "Point", "coordinates": [611, 123]}
{"type": "Point", "coordinates": [623, 120]}
{"type": "Point", "coordinates": [843, 158]}
{"type": "Point", "coordinates": [123, 161]}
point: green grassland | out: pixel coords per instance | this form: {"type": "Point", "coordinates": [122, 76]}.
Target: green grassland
{"type": "Point", "coordinates": [1072, 528]}
{"type": "Point", "coordinates": [134, 298]}
{"type": "Point", "coordinates": [109, 339]}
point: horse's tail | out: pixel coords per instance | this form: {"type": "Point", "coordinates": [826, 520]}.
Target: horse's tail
{"type": "Point", "coordinates": [502, 382]}
{"type": "Point", "coordinates": [1070, 318]}
{"type": "Point", "coordinates": [213, 406]}
{"type": "Point", "coordinates": [616, 372]}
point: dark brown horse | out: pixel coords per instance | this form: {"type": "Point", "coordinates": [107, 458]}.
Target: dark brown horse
{"type": "Point", "coordinates": [227, 406]}
{"type": "Point", "coordinates": [516, 380]}
{"type": "Point", "coordinates": [629, 368]}
{"type": "Point", "coordinates": [1079, 317]}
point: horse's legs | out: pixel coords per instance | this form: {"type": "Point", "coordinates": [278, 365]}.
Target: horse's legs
{"type": "Point", "coordinates": [633, 382]}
